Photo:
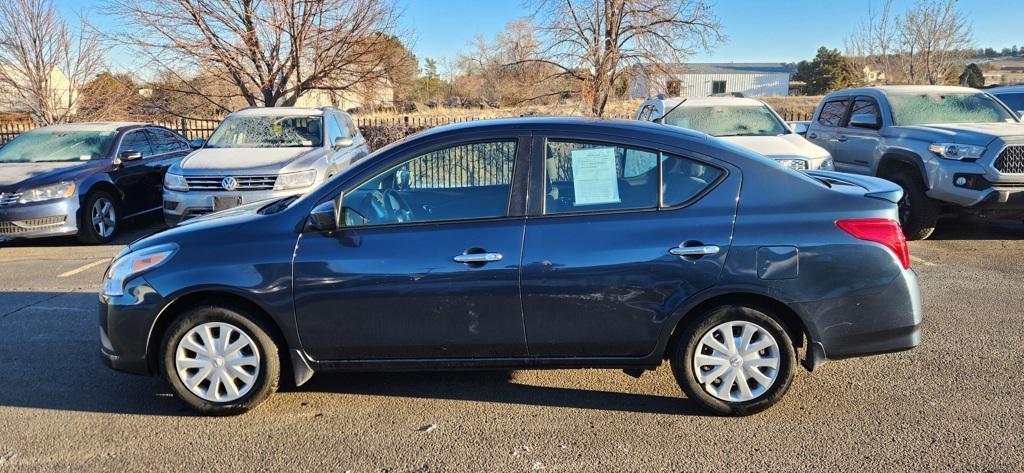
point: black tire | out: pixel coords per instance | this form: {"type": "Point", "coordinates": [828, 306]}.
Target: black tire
{"type": "Point", "coordinates": [267, 377]}
{"type": "Point", "coordinates": [682, 353]}
{"type": "Point", "coordinates": [87, 232]}
{"type": "Point", "coordinates": [919, 214]}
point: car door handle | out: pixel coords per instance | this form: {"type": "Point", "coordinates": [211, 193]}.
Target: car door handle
{"type": "Point", "coordinates": [684, 251]}
{"type": "Point", "coordinates": [812, 135]}
{"type": "Point", "coordinates": [841, 139]}
{"type": "Point", "coordinates": [477, 258]}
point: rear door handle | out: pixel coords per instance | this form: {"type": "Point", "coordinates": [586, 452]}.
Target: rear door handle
{"type": "Point", "coordinates": [841, 138]}
{"type": "Point", "coordinates": [478, 258]}
{"type": "Point", "coordinates": [812, 135]}
{"type": "Point", "coordinates": [698, 251]}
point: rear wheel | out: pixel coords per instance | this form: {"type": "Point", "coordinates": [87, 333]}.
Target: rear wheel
{"type": "Point", "coordinates": [918, 213]}
{"type": "Point", "coordinates": [100, 218]}
{"type": "Point", "coordinates": [219, 361]}
{"type": "Point", "coordinates": [734, 360]}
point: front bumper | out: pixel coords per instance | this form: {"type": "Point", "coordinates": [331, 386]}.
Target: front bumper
{"type": "Point", "coordinates": [179, 206]}
{"type": "Point", "coordinates": [41, 219]}
{"type": "Point", "coordinates": [861, 324]}
{"type": "Point", "coordinates": [125, 324]}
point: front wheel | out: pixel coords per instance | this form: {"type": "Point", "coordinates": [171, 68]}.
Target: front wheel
{"type": "Point", "coordinates": [219, 361]}
{"type": "Point", "coordinates": [918, 213]}
{"type": "Point", "coordinates": [734, 360]}
{"type": "Point", "coordinates": [100, 218]}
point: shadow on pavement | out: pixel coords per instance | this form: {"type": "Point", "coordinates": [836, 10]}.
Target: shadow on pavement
{"type": "Point", "coordinates": [972, 228]}
{"type": "Point", "coordinates": [49, 347]}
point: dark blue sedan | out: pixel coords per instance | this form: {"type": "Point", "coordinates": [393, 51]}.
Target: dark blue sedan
{"type": "Point", "coordinates": [525, 243]}
{"type": "Point", "coordinates": [83, 179]}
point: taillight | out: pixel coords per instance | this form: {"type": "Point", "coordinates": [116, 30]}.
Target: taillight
{"type": "Point", "coordinates": [879, 230]}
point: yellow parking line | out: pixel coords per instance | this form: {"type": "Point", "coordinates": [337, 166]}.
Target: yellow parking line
{"type": "Point", "coordinates": [82, 268]}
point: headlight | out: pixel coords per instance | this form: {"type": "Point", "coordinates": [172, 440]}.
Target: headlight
{"type": "Point", "coordinates": [956, 151]}
{"type": "Point", "coordinates": [134, 263]}
{"type": "Point", "coordinates": [793, 163]}
{"type": "Point", "coordinates": [295, 180]}
{"type": "Point", "coordinates": [175, 182]}
{"type": "Point", "coordinates": [60, 190]}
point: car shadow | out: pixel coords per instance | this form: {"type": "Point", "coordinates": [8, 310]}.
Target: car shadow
{"type": "Point", "coordinates": [973, 228]}
{"type": "Point", "coordinates": [49, 345]}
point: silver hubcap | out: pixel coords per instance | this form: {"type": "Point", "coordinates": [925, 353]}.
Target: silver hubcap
{"type": "Point", "coordinates": [103, 217]}
{"type": "Point", "coordinates": [217, 362]}
{"type": "Point", "coordinates": [737, 361]}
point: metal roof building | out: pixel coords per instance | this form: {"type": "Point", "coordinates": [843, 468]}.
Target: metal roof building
{"type": "Point", "coordinates": [705, 79]}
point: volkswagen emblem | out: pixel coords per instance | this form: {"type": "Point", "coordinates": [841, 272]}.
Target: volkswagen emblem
{"type": "Point", "coordinates": [229, 183]}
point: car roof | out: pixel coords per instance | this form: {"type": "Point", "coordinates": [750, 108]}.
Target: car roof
{"type": "Point", "coordinates": [711, 102]}
{"type": "Point", "coordinates": [1006, 88]}
{"type": "Point", "coordinates": [95, 126]}
{"type": "Point", "coordinates": [278, 111]}
{"type": "Point", "coordinates": [577, 124]}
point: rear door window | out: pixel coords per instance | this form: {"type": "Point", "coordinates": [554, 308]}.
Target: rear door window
{"type": "Point", "coordinates": [587, 176]}
{"type": "Point", "coordinates": [833, 111]}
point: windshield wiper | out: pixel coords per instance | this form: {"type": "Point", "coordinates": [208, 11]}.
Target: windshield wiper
{"type": "Point", "coordinates": [278, 205]}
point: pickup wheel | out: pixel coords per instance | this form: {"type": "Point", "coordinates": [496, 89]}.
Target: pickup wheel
{"type": "Point", "coordinates": [918, 213]}
{"type": "Point", "coordinates": [734, 360]}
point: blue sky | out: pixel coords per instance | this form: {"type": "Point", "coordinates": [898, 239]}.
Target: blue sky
{"type": "Point", "coordinates": [757, 30]}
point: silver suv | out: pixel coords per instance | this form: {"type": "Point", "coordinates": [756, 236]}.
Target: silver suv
{"type": "Point", "coordinates": [951, 149]}
{"type": "Point", "coordinates": [261, 153]}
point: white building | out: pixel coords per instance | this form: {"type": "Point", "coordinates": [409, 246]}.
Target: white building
{"type": "Point", "coordinates": [705, 79]}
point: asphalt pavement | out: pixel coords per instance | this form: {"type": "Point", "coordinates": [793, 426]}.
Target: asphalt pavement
{"type": "Point", "coordinates": [953, 404]}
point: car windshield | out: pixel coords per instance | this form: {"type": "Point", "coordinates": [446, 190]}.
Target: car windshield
{"type": "Point", "coordinates": [47, 145]}
{"type": "Point", "coordinates": [959, 107]}
{"type": "Point", "coordinates": [267, 132]}
{"type": "Point", "coordinates": [745, 120]}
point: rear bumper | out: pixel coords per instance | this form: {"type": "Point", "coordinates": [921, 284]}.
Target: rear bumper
{"type": "Point", "coordinates": [1000, 202]}
{"type": "Point", "coordinates": [861, 325]}
{"type": "Point", "coordinates": [44, 219]}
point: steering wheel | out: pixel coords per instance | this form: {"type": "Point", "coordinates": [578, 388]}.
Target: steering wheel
{"type": "Point", "coordinates": [388, 206]}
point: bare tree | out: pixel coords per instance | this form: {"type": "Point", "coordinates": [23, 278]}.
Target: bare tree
{"type": "Point", "coordinates": [596, 42]}
{"type": "Point", "coordinates": [935, 36]}
{"type": "Point", "coordinates": [272, 51]}
{"type": "Point", "coordinates": [42, 61]}
{"type": "Point", "coordinates": [923, 45]}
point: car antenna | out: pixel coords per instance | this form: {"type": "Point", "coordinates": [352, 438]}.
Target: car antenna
{"type": "Point", "coordinates": [661, 119]}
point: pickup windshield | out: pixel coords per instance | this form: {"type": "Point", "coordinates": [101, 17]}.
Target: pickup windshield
{"type": "Point", "coordinates": [47, 146]}
{"type": "Point", "coordinates": [268, 132]}
{"type": "Point", "coordinates": [747, 120]}
{"type": "Point", "coordinates": [932, 108]}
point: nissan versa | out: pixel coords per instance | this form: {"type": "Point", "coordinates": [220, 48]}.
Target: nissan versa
{"type": "Point", "coordinates": [525, 243]}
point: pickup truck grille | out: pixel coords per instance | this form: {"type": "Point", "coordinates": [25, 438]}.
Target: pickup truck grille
{"type": "Point", "coordinates": [9, 198]}
{"type": "Point", "coordinates": [244, 183]}
{"type": "Point", "coordinates": [1011, 160]}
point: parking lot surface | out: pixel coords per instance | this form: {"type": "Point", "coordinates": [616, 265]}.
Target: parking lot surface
{"type": "Point", "coordinates": [954, 403]}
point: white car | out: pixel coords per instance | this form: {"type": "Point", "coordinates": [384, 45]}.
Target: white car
{"type": "Point", "coordinates": [742, 121]}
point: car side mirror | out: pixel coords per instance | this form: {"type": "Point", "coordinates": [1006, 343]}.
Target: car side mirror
{"type": "Point", "coordinates": [800, 128]}
{"type": "Point", "coordinates": [197, 143]}
{"type": "Point", "coordinates": [325, 216]}
{"type": "Point", "coordinates": [865, 120]}
{"type": "Point", "coordinates": [130, 155]}
{"type": "Point", "coordinates": [342, 142]}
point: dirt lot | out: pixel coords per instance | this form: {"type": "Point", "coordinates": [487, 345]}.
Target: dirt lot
{"type": "Point", "coordinates": [954, 403]}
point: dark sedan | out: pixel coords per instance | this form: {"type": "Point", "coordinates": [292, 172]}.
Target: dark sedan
{"type": "Point", "coordinates": [83, 179]}
{"type": "Point", "coordinates": [525, 243]}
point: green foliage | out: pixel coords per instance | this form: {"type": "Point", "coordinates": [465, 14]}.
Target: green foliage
{"type": "Point", "coordinates": [972, 76]}
{"type": "Point", "coordinates": [829, 71]}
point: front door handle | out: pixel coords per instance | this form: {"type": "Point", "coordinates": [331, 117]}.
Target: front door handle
{"type": "Point", "coordinates": [812, 135]}
{"type": "Point", "coordinates": [841, 139]}
{"type": "Point", "coordinates": [478, 258]}
{"type": "Point", "coordinates": [694, 251]}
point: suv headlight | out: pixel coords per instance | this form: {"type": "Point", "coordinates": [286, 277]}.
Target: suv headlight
{"type": "Point", "coordinates": [956, 151]}
{"type": "Point", "coordinates": [295, 180]}
{"type": "Point", "coordinates": [60, 190]}
{"type": "Point", "coordinates": [133, 264]}
{"type": "Point", "coordinates": [175, 182]}
{"type": "Point", "coordinates": [799, 164]}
